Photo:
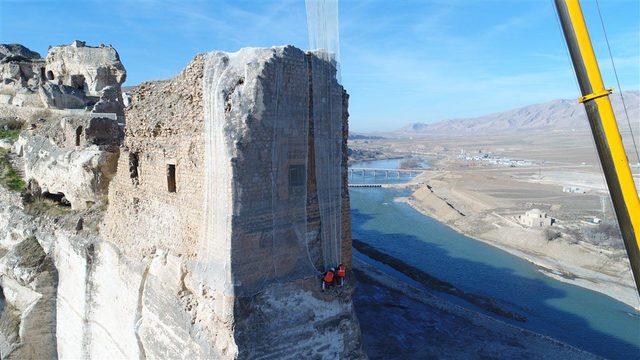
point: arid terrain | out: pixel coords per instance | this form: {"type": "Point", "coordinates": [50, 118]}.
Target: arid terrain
{"type": "Point", "coordinates": [481, 182]}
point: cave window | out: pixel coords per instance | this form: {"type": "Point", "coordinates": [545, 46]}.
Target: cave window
{"type": "Point", "coordinates": [171, 178]}
{"type": "Point", "coordinates": [57, 198]}
{"type": "Point", "coordinates": [77, 81]}
{"type": "Point", "coordinates": [50, 75]}
{"type": "Point", "coordinates": [78, 134]}
{"type": "Point", "coordinates": [134, 160]}
{"type": "Point", "coordinates": [296, 175]}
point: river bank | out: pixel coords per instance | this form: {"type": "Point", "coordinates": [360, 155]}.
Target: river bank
{"type": "Point", "coordinates": [476, 270]}
{"type": "Point", "coordinates": [575, 263]}
{"type": "Point", "coordinates": [418, 324]}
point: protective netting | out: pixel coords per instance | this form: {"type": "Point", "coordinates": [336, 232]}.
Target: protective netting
{"type": "Point", "coordinates": [324, 42]}
{"type": "Point", "coordinates": [215, 245]}
{"type": "Point", "coordinates": [289, 158]}
{"type": "Point", "coordinates": [323, 30]}
{"type": "Point", "coordinates": [258, 104]}
{"type": "Point", "coordinates": [256, 154]}
{"type": "Point", "coordinates": [327, 119]}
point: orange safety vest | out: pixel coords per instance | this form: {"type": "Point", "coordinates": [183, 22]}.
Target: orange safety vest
{"type": "Point", "coordinates": [342, 272]}
{"type": "Point", "coordinates": [328, 277]}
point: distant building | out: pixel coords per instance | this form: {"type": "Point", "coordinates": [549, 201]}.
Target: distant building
{"type": "Point", "coordinates": [574, 190]}
{"type": "Point", "coordinates": [536, 218]}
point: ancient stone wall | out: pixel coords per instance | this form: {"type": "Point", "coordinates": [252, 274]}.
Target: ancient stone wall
{"type": "Point", "coordinates": [273, 305]}
{"type": "Point", "coordinates": [164, 127]}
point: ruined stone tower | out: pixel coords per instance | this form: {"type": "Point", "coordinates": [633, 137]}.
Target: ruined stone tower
{"type": "Point", "coordinates": [231, 184]}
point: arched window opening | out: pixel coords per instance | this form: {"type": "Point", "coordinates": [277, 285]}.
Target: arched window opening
{"type": "Point", "coordinates": [78, 134]}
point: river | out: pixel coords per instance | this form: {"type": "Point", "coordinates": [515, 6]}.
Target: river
{"type": "Point", "coordinates": [580, 317]}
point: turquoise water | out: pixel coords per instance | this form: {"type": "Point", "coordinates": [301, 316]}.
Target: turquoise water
{"type": "Point", "coordinates": [580, 317]}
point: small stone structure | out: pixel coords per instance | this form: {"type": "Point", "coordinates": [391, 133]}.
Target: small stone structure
{"type": "Point", "coordinates": [574, 189]}
{"type": "Point", "coordinates": [536, 218]}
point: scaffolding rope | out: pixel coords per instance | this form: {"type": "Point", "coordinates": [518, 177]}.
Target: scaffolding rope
{"type": "Point", "coordinates": [615, 72]}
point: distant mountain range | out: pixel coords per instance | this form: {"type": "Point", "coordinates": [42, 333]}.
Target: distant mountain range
{"type": "Point", "coordinates": [553, 115]}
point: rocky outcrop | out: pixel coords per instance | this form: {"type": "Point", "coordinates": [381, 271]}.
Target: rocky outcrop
{"type": "Point", "coordinates": [71, 105]}
{"type": "Point", "coordinates": [73, 76]}
{"type": "Point", "coordinates": [28, 282]}
{"type": "Point", "coordinates": [21, 72]}
{"type": "Point", "coordinates": [72, 159]}
{"type": "Point", "coordinates": [88, 68]}
{"type": "Point", "coordinates": [14, 52]}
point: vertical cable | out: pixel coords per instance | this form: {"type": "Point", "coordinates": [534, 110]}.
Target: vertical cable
{"type": "Point", "coordinates": [615, 72]}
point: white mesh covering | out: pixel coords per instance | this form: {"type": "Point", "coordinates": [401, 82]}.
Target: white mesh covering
{"type": "Point", "coordinates": [324, 41]}
{"type": "Point", "coordinates": [214, 255]}
{"type": "Point", "coordinates": [289, 157]}
{"type": "Point", "coordinates": [327, 119]}
{"type": "Point", "coordinates": [323, 30]}
{"type": "Point", "coordinates": [256, 152]}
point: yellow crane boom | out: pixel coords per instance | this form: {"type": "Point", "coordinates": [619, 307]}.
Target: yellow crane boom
{"type": "Point", "coordinates": [604, 127]}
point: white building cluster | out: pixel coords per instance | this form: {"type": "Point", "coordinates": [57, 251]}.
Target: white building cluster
{"type": "Point", "coordinates": [493, 160]}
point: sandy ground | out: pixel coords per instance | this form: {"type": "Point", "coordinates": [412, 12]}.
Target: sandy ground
{"type": "Point", "coordinates": [485, 218]}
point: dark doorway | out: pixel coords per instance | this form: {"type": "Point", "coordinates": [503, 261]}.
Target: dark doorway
{"type": "Point", "coordinates": [171, 178]}
{"type": "Point", "coordinates": [133, 167]}
{"type": "Point", "coordinates": [78, 134]}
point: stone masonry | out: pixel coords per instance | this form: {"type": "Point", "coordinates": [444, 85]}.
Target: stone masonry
{"type": "Point", "coordinates": [156, 207]}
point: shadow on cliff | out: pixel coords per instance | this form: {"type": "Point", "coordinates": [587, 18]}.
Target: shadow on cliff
{"type": "Point", "coordinates": [528, 298]}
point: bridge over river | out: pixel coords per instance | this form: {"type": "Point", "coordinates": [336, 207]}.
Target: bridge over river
{"type": "Point", "coordinates": [364, 172]}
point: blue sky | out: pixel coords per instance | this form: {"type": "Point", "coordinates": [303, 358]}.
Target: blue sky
{"type": "Point", "coordinates": [402, 61]}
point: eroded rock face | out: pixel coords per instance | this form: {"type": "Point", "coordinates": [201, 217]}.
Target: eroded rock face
{"type": "Point", "coordinates": [21, 72]}
{"type": "Point", "coordinates": [74, 158]}
{"type": "Point", "coordinates": [73, 76]}
{"type": "Point", "coordinates": [29, 284]}
{"type": "Point", "coordinates": [12, 52]}
{"type": "Point", "coordinates": [85, 67]}
{"type": "Point", "coordinates": [62, 96]}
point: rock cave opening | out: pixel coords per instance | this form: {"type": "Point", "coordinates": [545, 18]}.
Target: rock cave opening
{"type": "Point", "coordinates": [134, 160]}
{"type": "Point", "coordinates": [78, 134]}
{"type": "Point", "coordinates": [57, 198]}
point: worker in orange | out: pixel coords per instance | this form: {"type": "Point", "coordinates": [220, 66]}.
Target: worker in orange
{"type": "Point", "coordinates": [327, 279]}
{"type": "Point", "coordinates": [341, 273]}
